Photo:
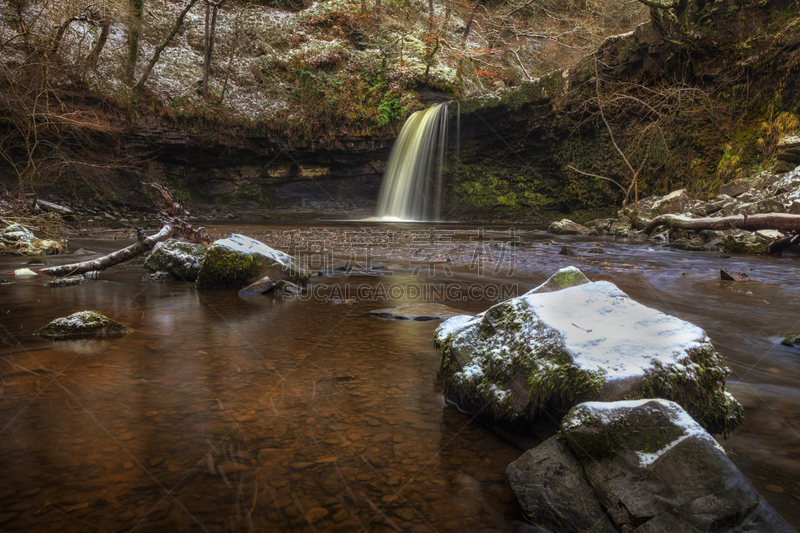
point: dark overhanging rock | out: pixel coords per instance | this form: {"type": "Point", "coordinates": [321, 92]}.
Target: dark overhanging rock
{"type": "Point", "coordinates": [642, 466]}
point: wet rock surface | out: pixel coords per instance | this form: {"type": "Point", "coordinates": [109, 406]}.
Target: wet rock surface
{"type": "Point", "coordinates": [642, 466]}
{"type": "Point", "coordinates": [66, 281]}
{"type": "Point", "coordinates": [259, 287]}
{"type": "Point", "coordinates": [550, 349]}
{"type": "Point", "coordinates": [417, 311]}
{"type": "Point", "coordinates": [82, 324]}
{"type": "Point", "coordinates": [180, 258]}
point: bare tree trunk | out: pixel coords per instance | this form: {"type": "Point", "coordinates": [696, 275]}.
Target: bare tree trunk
{"type": "Point", "coordinates": [160, 48]}
{"type": "Point", "coordinates": [208, 40]}
{"type": "Point", "coordinates": [133, 39]}
{"type": "Point", "coordinates": [230, 58]}
{"type": "Point", "coordinates": [61, 31]}
{"type": "Point", "coordinates": [471, 18]}
{"type": "Point", "coordinates": [94, 55]}
{"type": "Point", "coordinates": [777, 221]}
{"type": "Point", "coordinates": [430, 20]}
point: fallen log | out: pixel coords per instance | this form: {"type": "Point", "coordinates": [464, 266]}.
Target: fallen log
{"type": "Point", "coordinates": [173, 227]}
{"type": "Point", "coordinates": [120, 256]}
{"type": "Point", "coordinates": [778, 221]}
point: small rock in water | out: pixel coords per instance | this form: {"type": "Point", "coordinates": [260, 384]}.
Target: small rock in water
{"type": "Point", "coordinates": [732, 276]}
{"type": "Point", "coordinates": [259, 287]}
{"type": "Point", "coordinates": [4, 281]}
{"type": "Point", "coordinates": [35, 260]}
{"type": "Point", "coordinates": [66, 281]}
{"type": "Point", "coordinates": [82, 324]}
{"type": "Point", "coordinates": [156, 277]}
{"type": "Point", "coordinates": [595, 250]}
{"type": "Point", "coordinates": [792, 340]}
{"type": "Point", "coordinates": [287, 287]}
{"type": "Point", "coordinates": [417, 311]}
{"type": "Point", "coordinates": [565, 250]}
{"type": "Point", "coordinates": [338, 301]}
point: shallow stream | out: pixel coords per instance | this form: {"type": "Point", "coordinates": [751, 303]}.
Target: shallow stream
{"type": "Point", "coordinates": [270, 413]}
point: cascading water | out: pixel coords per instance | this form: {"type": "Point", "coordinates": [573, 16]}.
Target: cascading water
{"type": "Point", "coordinates": [409, 190]}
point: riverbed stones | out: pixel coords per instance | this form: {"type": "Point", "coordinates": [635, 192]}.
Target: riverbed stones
{"type": "Point", "coordinates": [788, 155]}
{"type": "Point", "coordinates": [16, 239]}
{"type": "Point", "coordinates": [646, 465]}
{"type": "Point", "coordinates": [237, 260]}
{"type": "Point", "coordinates": [568, 227]}
{"type": "Point", "coordinates": [548, 351]}
{"type": "Point", "coordinates": [735, 188]}
{"type": "Point", "coordinates": [180, 258]}
{"type": "Point", "coordinates": [417, 311]}
{"type": "Point", "coordinates": [82, 324]}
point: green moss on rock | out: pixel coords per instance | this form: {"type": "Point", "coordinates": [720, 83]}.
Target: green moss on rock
{"type": "Point", "coordinates": [224, 268]}
{"type": "Point", "coordinates": [82, 324]}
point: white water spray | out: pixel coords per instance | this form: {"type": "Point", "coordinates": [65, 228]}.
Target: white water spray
{"type": "Point", "coordinates": [410, 189]}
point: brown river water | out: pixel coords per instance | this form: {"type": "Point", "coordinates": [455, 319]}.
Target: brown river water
{"type": "Point", "coordinates": [270, 413]}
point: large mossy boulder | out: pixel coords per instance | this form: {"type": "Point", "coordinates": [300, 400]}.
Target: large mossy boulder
{"type": "Point", "coordinates": [589, 341]}
{"type": "Point", "coordinates": [636, 466]}
{"type": "Point", "coordinates": [82, 324]}
{"type": "Point", "coordinates": [16, 239]}
{"type": "Point", "coordinates": [180, 258]}
{"type": "Point", "coordinates": [237, 260]}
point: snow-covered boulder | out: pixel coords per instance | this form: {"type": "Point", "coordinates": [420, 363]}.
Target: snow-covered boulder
{"type": "Point", "coordinates": [82, 324]}
{"type": "Point", "coordinates": [552, 350]}
{"type": "Point", "coordinates": [643, 466]}
{"type": "Point", "coordinates": [237, 260]}
{"type": "Point", "coordinates": [568, 227]}
{"type": "Point", "coordinates": [180, 258]}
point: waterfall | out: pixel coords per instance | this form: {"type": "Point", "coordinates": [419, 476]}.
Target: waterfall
{"type": "Point", "coordinates": [409, 190]}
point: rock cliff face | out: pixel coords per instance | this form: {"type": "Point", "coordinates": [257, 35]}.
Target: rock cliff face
{"type": "Point", "coordinates": [257, 170]}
